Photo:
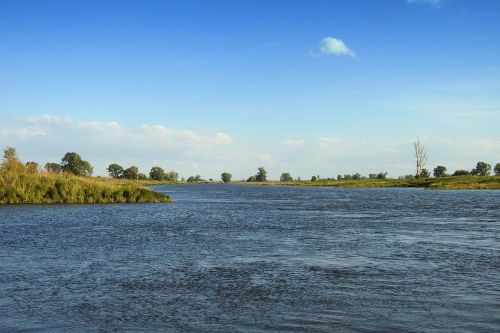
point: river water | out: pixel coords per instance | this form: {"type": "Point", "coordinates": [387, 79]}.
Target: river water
{"type": "Point", "coordinates": [243, 258]}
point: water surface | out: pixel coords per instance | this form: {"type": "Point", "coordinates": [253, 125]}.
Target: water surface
{"type": "Point", "coordinates": [229, 258]}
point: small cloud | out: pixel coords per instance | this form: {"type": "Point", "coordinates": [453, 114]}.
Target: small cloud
{"type": "Point", "coordinates": [425, 2]}
{"type": "Point", "coordinates": [223, 138]}
{"type": "Point", "coordinates": [331, 45]}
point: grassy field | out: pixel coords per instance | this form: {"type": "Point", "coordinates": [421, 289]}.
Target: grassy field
{"type": "Point", "coordinates": [447, 183]}
{"type": "Point", "coordinates": [21, 186]}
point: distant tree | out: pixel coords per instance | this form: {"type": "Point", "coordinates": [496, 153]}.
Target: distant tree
{"type": "Point", "coordinates": [339, 177]}
{"type": "Point", "coordinates": [251, 179]}
{"type": "Point", "coordinates": [171, 176]}
{"type": "Point", "coordinates": [131, 173]}
{"type": "Point", "coordinates": [496, 169]}
{"type": "Point", "coordinates": [481, 169]}
{"type": "Point", "coordinates": [194, 179]}
{"type": "Point", "coordinates": [347, 177]}
{"type": "Point", "coordinates": [356, 176]}
{"type": "Point", "coordinates": [459, 173]}
{"type": "Point", "coordinates": [261, 176]}
{"type": "Point", "coordinates": [10, 153]}
{"type": "Point", "coordinates": [439, 171]}
{"type": "Point", "coordinates": [157, 173]}
{"type": "Point", "coordinates": [372, 176]}
{"type": "Point", "coordinates": [382, 175]}
{"type": "Point", "coordinates": [53, 167]}
{"type": "Point", "coordinates": [31, 167]}
{"type": "Point", "coordinates": [298, 179]}
{"type": "Point", "coordinates": [142, 176]}
{"type": "Point", "coordinates": [421, 157]}
{"type": "Point", "coordinates": [73, 163]}
{"type": "Point", "coordinates": [314, 178]}
{"type": "Point", "coordinates": [286, 177]}
{"type": "Point", "coordinates": [115, 170]}
{"type": "Point", "coordinates": [226, 177]}
{"type": "Point", "coordinates": [424, 173]}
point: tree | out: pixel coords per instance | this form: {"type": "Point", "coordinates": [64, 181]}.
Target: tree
{"type": "Point", "coordinates": [171, 176]}
{"type": "Point", "coordinates": [53, 167]}
{"type": "Point", "coordinates": [9, 153]}
{"type": "Point", "coordinates": [286, 177]}
{"type": "Point", "coordinates": [314, 178]}
{"type": "Point", "coordinates": [481, 169]}
{"type": "Point", "coordinates": [73, 163]}
{"type": "Point", "coordinates": [382, 175]}
{"type": "Point", "coordinates": [194, 179]}
{"type": "Point", "coordinates": [261, 176]}
{"type": "Point", "coordinates": [142, 176]}
{"type": "Point", "coordinates": [157, 173]}
{"type": "Point", "coordinates": [421, 157]}
{"type": "Point", "coordinates": [425, 173]}
{"type": "Point", "coordinates": [496, 169]}
{"type": "Point", "coordinates": [115, 170]}
{"type": "Point", "coordinates": [226, 177]}
{"type": "Point", "coordinates": [439, 171]}
{"type": "Point", "coordinates": [356, 176]}
{"type": "Point", "coordinates": [31, 167]}
{"type": "Point", "coordinates": [131, 173]}
{"type": "Point", "coordinates": [459, 173]}
{"type": "Point", "coordinates": [251, 179]}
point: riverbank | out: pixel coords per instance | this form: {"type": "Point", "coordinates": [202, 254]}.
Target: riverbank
{"type": "Point", "coordinates": [56, 188]}
{"type": "Point", "coordinates": [443, 183]}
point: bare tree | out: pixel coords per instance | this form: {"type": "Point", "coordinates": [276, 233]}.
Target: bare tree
{"type": "Point", "coordinates": [421, 156]}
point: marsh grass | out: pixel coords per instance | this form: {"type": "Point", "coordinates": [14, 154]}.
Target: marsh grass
{"type": "Point", "coordinates": [19, 184]}
{"type": "Point", "coordinates": [448, 183]}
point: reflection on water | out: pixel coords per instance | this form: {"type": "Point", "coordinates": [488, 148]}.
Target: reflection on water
{"type": "Point", "coordinates": [227, 258]}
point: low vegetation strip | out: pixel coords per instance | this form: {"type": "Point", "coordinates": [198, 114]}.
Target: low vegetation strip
{"type": "Point", "coordinates": [448, 183]}
{"type": "Point", "coordinates": [38, 188]}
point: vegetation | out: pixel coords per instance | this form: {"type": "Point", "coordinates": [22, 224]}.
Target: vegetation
{"type": "Point", "coordinates": [286, 177]}
{"type": "Point", "coordinates": [497, 169]}
{"type": "Point", "coordinates": [481, 169]}
{"type": "Point", "coordinates": [226, 177]}
{"type": "Point", "coordinates": [439, 171]}
{"type": "Point", "coordinates": [73, 163]}
{"type": "Point", "coordinates": [25, 184]}
{"type": "Point", "coordinates": [421, 157]}
{"type": "Point", "coordinates": [194, 179]}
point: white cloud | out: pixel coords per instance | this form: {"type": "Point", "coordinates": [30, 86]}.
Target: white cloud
{"type": "Point", "coordinates": [331, 45]}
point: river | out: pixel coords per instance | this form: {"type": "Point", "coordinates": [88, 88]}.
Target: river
{"type": "Point", "coordinates": [244, 258]}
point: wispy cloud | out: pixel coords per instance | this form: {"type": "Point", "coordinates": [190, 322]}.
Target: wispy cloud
{"type": "Point", "coordinates": [334, 46]}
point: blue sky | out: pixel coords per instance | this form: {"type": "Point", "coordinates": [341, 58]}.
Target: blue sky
{"type": "Point", "coordinates": [308, 87]}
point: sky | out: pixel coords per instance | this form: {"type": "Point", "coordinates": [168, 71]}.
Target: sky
{"type": "Point", "coordinates": [203, 87]}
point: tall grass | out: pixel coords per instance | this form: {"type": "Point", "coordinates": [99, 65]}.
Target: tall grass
{"type": "Point", "coordinates": [20, 184]}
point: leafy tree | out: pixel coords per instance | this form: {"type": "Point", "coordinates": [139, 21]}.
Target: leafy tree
{"type": "Point", "coordinates": [382, 175]}
{"type": "Point", "coordinates": [496, 169]}
{"type": "Point", "coordinates": [347, 177]}
{"type": "Point", "coordinates": [142, 176]}
{"type": "Point", "coordinates": [439, 171]}
{"type": "Point", "coordinates": [356, 176]}
{"type": "Point", "coordinates": [226, 177]}
{"type": "Point", "coordinates": [372, 176]}
{"type": "Point", "coordinates": [194, 179]}
{"type": "Point", "coordinates": [157, 173]}
{"type": "Point", "coordinates": [171, 176]}
{"type": "Point", "coordinates": [481, 169]}
{"type": "Point", "coordinates": [339, 177]}
{"type": "Point", "coordinates": [314, 178]}
{"type": "Point", "coordinates": [9, 153]}
{"type": "Point", "coordinates": [251, 179]}
{"type": "Point", "coordinates": [286, 177]}
{"type": "Point", "coordinates": [261, 176]}
{"type": "Point", "coordinates": [32, 166]}
{"type": "Point", "coordinates": [424, 173]}
{"type": "Point", "coordinates": [115, 170]}
{"type": "Point", "coordinates": [53, 167]}
{"type": "Point", "coordinates": [73, 163]}
{"type": "Point", "coordinates": [459, 173]}
{"type": "Point", "coordinates": [131, 173]}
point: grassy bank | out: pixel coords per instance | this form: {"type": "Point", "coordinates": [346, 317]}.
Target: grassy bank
{"type": "Point", "coordinates": [22, 186]}
{"type": "Point", "coordinates": [448, 183]}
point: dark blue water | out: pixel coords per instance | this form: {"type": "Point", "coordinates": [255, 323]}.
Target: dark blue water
{"type": "Point", "coordinates": [226, 258]}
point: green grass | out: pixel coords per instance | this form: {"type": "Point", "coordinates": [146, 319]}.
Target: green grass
{"type": "Point", "coordinates": [448, 183]}
{"type": "Point", "coordinates": [19, 185]}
